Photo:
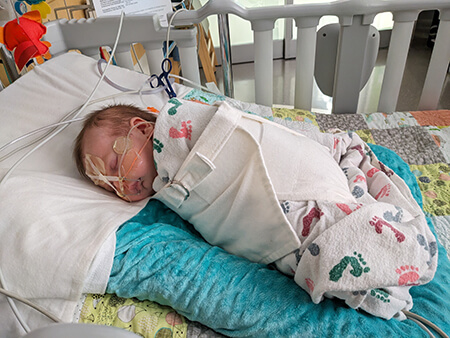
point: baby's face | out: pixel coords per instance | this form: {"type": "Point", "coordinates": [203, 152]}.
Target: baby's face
{"type": "Point", "coordinates": [137, 167]}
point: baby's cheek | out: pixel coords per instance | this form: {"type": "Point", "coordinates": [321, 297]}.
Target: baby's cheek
{"type": "Point", "coordinates": [103, 185]}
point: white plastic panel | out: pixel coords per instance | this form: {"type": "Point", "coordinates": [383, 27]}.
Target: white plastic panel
{"type": "Point", "coordinates": [304, 71]}
{"type": "Point", "coordinates": [395, 65]}
{"type": "Point", "coordinates": [189, 63]}
{"type": "Point", "coordinates": [263, 67]}
{"type": "Point", "coordinates": [437, 69]}
{"type": "Point", "coordinates": [349, 66]}
{"type": "Point", "coordinates": [123, 58]}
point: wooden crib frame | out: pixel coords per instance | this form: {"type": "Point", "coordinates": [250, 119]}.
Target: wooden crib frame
{"type": "Point", "coordinates": [355, 18]}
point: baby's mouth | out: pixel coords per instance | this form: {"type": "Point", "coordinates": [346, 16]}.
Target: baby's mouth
{"type": "Point", "coordinates": [139, 186]}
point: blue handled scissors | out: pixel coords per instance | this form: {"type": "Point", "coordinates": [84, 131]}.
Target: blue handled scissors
{"type": "Point", "coordinates": [163, 78]}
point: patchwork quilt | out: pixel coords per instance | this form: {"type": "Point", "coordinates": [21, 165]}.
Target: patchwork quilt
{"type": "Point", "coordinates": [421, 139]}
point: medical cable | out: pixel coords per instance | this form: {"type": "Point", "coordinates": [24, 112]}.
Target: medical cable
{"type": "Point", "coordinates": [141, 92]}
{"type": "Point", "coordinates": [136, 57]}
{"type": "Point", "coordinates": [9, 172]}
{"type": "Point", "coordinates": [2, 282]}
{"type": "Point", "coordinates": [169, 50]}
{"type": "Point", "coordinates": [27, 302]}
{"type": "Point", "coordinates": [34, 141]}
{"type": "Point", "coordinates": [63, 121]}
{"type": "Point", "coordinates": [191, 82]}
{"type": "Point", "coordinates": [198, 85]}
{"type": "Point", "coordinates": [13, 306]}
{"type": "Point", "coordinates": [168, 29]}
{"type": "Point", "coordinates": [50, 126]}
{"type": "Point", "coordinates": [416, 318]}
{"type": "Point", "coordinates": [124, 89]}
{"type": "Point", "coordinates": [423, 327]}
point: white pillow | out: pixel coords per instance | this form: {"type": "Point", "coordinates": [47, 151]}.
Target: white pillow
{"type": "Point", "coordinates": [52, 222]}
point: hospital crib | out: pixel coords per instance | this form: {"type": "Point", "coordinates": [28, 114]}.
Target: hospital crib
{"type": "Point", "coordinates": [51, 89]}
{"type": "Point", "coordinates": [357, 45]}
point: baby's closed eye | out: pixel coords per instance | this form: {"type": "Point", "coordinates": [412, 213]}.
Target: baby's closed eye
{"type": "Point", "coordinates": [114, 163]}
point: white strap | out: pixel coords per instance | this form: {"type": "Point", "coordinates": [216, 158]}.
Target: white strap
{"type": "Point", "coordinates": [199, 163]}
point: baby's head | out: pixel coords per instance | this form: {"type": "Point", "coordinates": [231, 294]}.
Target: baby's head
{"type": "Point", "coordinates": [114, 150]}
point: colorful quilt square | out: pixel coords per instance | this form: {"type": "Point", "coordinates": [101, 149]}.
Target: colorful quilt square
{"type": "Point", "coordinates": [442, 226]}
{"type": "Point", "coordinates": [295, 119]}
{"type": "Point", "coordinates": [140, 317]}
{"type": "Point", "coordinates": [298, 126]}
{"type": "Point", "coordinates": [388, 121]}
{"type": "Point", "coordinates": [203, 97]}
{"type": "Point", "coordinates": [295, 115]}
{"type": "Point", "coordinates": [414, 144]}
{"type": "Point", "coordinates": [432, 117]}
{"type": "Point", "coordinates": [441, 136]}
{"type": "Point", "coordinates": [251, 108]}
{"type": "Point", "coordinates": [341, 121]}
{"type": "Point", "coordinates": [434, 182]}
{"type": "Point", "coordinates": [366, 135]}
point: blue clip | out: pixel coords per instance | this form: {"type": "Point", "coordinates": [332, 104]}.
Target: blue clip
{"type": "Point", "coordinates": [163, 78]}
{"type": "Point", "coordinates": [20, 7]}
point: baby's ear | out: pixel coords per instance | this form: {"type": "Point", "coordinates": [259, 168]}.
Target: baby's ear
{"type": "Point", "coordinates": [142, 125]}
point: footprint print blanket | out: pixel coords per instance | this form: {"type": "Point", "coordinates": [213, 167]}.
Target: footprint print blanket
{"type": "Point", "coordinates": [368, 253]}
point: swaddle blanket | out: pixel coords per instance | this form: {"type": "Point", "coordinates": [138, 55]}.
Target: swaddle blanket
{"type": "Point", "coordinates": [368, 250]}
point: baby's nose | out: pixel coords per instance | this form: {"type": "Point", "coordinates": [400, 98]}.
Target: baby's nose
{"type": "Point", "coordinates": [129, 186]}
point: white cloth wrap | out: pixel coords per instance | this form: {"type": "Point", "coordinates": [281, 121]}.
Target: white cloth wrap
{"type": "Point", "coordinates": [225, 181]}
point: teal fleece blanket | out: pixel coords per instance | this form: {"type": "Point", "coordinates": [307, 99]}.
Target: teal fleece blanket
{"type": "Point", "coordinates": [162, 258]}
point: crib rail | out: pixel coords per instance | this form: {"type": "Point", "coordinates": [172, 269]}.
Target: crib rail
{"type": "Point", "coordinates": [354, 16]}
{"type": "Point", "coordinates": [87, 35]}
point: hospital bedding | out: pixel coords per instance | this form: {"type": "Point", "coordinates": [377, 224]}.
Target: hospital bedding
{"type": "Point", "coordinates": [200, 282]}
{"type": "Point", "coordinates": [239, 298]}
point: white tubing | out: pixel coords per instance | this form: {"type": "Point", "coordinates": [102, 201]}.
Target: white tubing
{"type": "Point", "coordinates": [304, 71]}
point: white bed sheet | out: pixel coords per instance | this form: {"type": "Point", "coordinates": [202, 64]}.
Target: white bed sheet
{"type": "Point", "coordinates": [52, 222]}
